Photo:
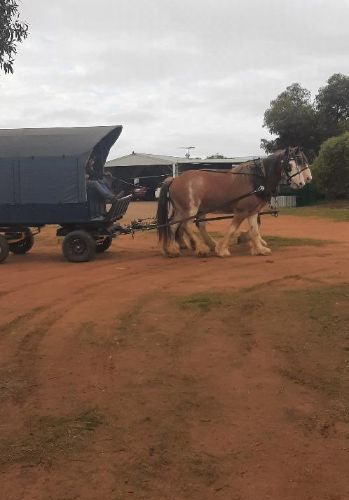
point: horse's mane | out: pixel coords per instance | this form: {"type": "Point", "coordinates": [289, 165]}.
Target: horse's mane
{"type": "Point", "coordinates": [272, 166]}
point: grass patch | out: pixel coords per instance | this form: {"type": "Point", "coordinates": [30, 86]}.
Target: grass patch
{"type": "Point", "coordinates": [309, 328]}
{"type": "Point", "coordinates": [318, 359]}
{"type": "Point", "coordinates": [201, 301]}
{"type": "Point", "coordinates": [13, 384]}
{"type": "Point", "coordinates": [47, 437]}
{"type": "Point", "coordinates": [281, 241]}
{"type": "Point", "coordinates": [323, 212]}
{"type": "Point", "coordinates": [327, 306]}
{"type": "Point", "coordinates": [130, 325]}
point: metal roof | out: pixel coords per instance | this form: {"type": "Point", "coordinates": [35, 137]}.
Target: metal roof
{"type": "Point", "coordinates": [54, 142]}
{"type": "Point", "coordinates": [144, 159]}
{"type": "Point", "coordinates": [141, 159]}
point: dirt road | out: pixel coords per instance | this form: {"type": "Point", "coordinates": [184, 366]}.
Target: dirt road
{"type": "Point", "coordinates": [136, 376]}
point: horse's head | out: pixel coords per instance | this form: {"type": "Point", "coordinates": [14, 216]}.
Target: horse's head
{"type": "Point", "coordinates": [295, 167]}
{"type": "Point", "coordinates": [304, 166]}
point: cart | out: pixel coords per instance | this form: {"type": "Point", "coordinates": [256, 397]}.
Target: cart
{"type": "Point", "coordinates": [43, 180]}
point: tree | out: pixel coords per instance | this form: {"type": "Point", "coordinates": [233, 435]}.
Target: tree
{"type": "Point", "coordinates": [12, 32]}
{"type": "Point", "coordinates": [216, 156]}
{"type": "Point", "coordinates": [296, 120]}
{"type": "Point", "coordinates": [332, 105]}
{"type": "Point", "coordinates": [331, 167]}
{"type": "Point", "coordinates": [292, 117]}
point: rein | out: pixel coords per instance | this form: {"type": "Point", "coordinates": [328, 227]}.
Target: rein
{"type": "Point", "coordinates": [260, 189]}
{"type": "Point", "coordinates": [299, 170]}
{"type": "Point", "coordinates": [259, 173]}
{"type": "Point", "coordinates": [258, 165]}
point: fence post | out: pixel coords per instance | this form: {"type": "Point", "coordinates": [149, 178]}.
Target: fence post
{"type": "Point", "coordinates": [174, 170]}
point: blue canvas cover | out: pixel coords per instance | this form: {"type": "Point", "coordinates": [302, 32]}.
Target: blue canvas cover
{"type": "Point", "coordinates": [42, 172]}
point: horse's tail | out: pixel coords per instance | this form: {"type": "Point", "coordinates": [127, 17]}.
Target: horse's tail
{"type": "Point", "coordinates": [162, 215]}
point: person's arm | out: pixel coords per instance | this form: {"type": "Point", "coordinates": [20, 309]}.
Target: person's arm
{"type": "Point", "coordinates": [101, 189]}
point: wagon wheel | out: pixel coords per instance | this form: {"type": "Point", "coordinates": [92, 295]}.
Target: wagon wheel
{"type": "Point", "coordinates": [79, 246]}
{"type": "Point", "coordinates": [4, 248]}
{"type": "Point", "coordinates": [23, 246]}
{"type": "Point", "coordinates": [104, 245]}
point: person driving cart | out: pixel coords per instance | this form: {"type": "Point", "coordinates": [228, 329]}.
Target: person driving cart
{"type": "Point", "coordinates": [97, 183]}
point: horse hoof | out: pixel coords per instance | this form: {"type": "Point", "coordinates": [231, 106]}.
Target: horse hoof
{"type": "Point", "coordinates": [266, 251]}
{"type": "Point", "coordinates": [202, 252]}
{"type": "Point", "coordinates": [223, 253]}
{"type": "Point", "coordinates": [261, 251]}
{"type": "Point", "coordinates": [171, 254]}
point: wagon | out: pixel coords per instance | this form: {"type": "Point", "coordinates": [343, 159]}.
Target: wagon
{"type": "Point", "coordinates": [43, 180]}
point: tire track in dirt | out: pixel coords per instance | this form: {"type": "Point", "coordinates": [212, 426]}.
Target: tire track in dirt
{"type": "Point", "coordinates": [194, 403]}
{"type": "Point", "coordinates": [20, 340]}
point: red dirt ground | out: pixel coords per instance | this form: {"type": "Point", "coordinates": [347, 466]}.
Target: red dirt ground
{"type": "Point", "coordinates": [136, 376]}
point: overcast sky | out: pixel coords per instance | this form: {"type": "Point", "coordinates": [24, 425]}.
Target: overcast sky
{"type": "Point", "coordinates": [173, 73]}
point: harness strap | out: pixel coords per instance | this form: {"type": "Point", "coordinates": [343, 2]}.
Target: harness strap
{"type": "Point", "coordinates": [298, 172]}
{"type": "Point", "coordinates": [260, 189]}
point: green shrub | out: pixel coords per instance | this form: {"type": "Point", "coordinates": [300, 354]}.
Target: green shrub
{"type": "Point", "coordinates": [331, 167]}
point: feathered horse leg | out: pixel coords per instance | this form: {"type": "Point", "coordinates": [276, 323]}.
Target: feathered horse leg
{"type": "Point", "coordinates": [222, 247]}
{"type": "Point", "coordinates": [210, 242]}
{"type": "Point", "coordinates": [167, 231]}
{"type": "Point", "coordinates": [256, 243]}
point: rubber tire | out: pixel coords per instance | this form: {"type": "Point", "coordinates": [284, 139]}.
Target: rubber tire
{"type": "Point", "coordinates": [102, 247]}
{"type": "Point", "coordinates": [22, 247]}
{"type": "Point", "coordinates": [78, 246]}
{"type": "Point", "coordinates": [4, 248]}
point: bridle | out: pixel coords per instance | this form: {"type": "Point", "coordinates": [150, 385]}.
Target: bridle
{"type": "Point", "coordinates": [259, 171]}
{"type": "Point", "coordinates": [301, 166]}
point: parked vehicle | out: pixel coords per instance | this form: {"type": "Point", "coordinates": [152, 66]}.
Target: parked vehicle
{"type": "Point", "coordinates": [143, 193]}
{"type": "Point", "coordinates": [157, 192]}
{"type": "Point", "coordinates": [44, 180]}
{"type": "Point", "coordinates": [139, 193]}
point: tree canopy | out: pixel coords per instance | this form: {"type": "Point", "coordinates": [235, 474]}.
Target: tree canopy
{"type": "Point", "coordinates": [295, 119]}
{"type": "Point", "coordinates": [216, 156]}
{"type": "Point", "coordinates": [332, 105]}
{"type": "Point", "coordinates": [12, 32]}
{"type": "Point", "coordinates": [331, 167]}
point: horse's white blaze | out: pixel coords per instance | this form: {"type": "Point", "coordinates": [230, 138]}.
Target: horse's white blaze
{"type": "Point", "coordinates": [297, 178]}
{"type": "Point", "coordinates": [307, 173]}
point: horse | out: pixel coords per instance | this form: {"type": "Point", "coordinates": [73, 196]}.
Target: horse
{"type": "Point", "coordinates": [243, 191]}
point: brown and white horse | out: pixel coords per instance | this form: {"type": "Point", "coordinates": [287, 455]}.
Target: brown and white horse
{"type": "Point", "coordinates": [198, 192]}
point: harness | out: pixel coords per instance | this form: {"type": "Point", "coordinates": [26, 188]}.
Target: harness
{"type": "Point", "coordinates": [259, 172]}
{"type": "Point", "coordinates": [198, 216]}
{"type": "Point", "coordinates": [294, 158]}
{"type": "Point", "coordinates": [260, 188]}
